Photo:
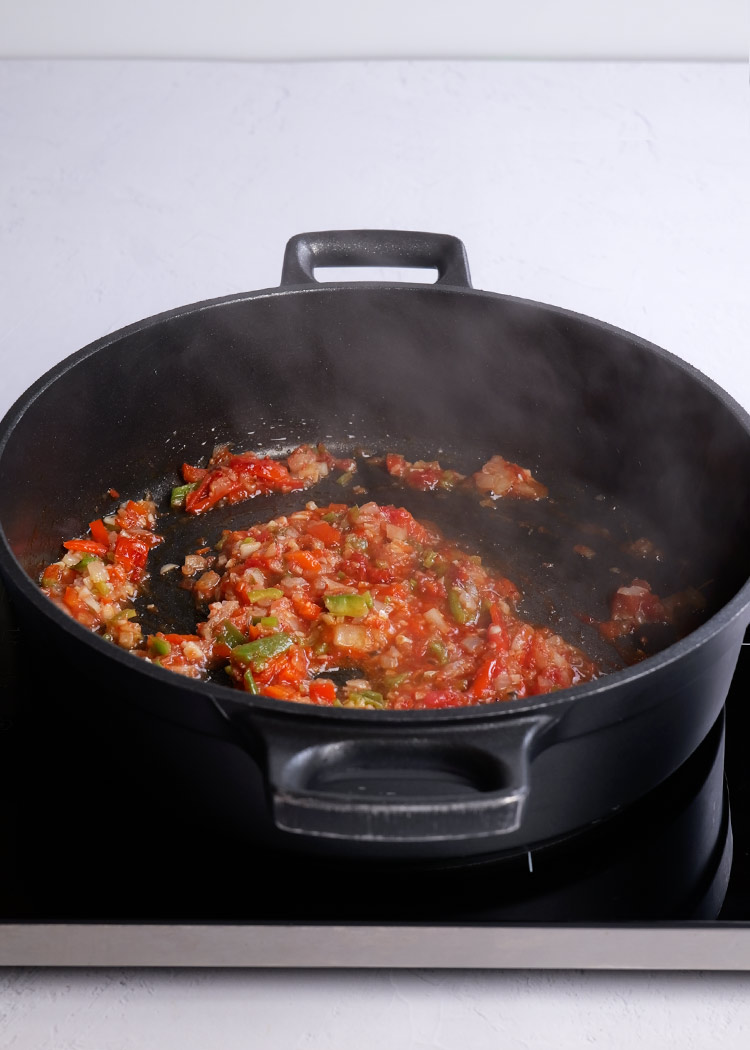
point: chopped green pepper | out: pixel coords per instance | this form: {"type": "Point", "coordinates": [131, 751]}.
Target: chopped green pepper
{"type": "Point", "coordinates": [365, 698]}
{"type": "Point", "coordinates": [259, 652]}
{"type": "Point", "coordinates": [265, 594]}
{"type": "Point", "coordinates": [231, 635]}
{"type": "Point", "coordinates": [269, 621]}
{"type": "Point", "coordinates": [250, 683]}
{"type": "Point", "coordinates": [159, 646]}
{"type": "Point", "coordinates": [439, 566]}
{"type": "Point", "coordinates": [438, 650]}
{"type": "Point", "coordinates": [177, 499]}
{"type": "Point", "coordinates": [429, 558]}
{"type": "Point", "coordinates": [458, 612]}
{"type": "Point", "coordinates": [330, 517]}
{"type": "Point", "coordinates": [85, 559]}
{"type": "Point", "coordinates": [344, 479]}
{"type": "Point", "coordinates": [347, 604]}
{"type": "Point", "coordinates": [358, 542]}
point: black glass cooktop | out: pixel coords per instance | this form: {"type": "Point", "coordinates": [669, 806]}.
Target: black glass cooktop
{"type": "Point", "coordinates": [92, 834]}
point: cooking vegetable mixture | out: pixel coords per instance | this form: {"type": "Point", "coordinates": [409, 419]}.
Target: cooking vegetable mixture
{"type": "Point", "coordinates": [348, 605]}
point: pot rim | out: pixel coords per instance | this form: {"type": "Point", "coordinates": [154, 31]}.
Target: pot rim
{"type": "Point", "coordinates": [737, 607]}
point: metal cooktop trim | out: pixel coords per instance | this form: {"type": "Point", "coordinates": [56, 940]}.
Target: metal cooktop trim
{"type": "Point", "coordinates": [691, 946]}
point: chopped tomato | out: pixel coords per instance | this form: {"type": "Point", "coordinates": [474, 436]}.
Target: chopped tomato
{"type": "Point", "coordinates": [321, 530]}
{"type": "Point", "coordinates": [635, 604]}
{"type": "Point", "coordinates": [281, 692]}
{"type": "Point", "coordinates": [132, 552]}
{"type": "Point", "coordinates": [193, 474]}
{"type": "Point", "coordinates": [323, 692]}
{"type": "Point", "coordinates": [304, 560]}
{"type": "Point", "coordinates": [305, 608]}
{"type": "Point", "coordinates": [499, 477]}
{"type": "Point", "coordinates": [442, 698]}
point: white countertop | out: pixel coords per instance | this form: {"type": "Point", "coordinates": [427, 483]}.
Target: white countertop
{"type": "Point", "coordinates": [618, 190]}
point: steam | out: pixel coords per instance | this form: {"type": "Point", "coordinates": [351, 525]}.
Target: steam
{"type": "Point", "coordinates": [428, 372]}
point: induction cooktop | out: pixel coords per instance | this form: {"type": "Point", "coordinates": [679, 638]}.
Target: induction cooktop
{"type": "Point", "coordinates": [104, 864]}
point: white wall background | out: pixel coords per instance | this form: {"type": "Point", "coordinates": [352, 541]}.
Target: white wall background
{"type": "Point", "coordinates": [321, 29]}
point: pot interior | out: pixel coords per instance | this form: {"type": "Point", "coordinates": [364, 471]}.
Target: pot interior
{"type": "Point", "coordinates": [630, 443]}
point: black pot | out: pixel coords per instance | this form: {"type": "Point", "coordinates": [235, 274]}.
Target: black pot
{"type": "Point", "coordinates": [631, 441]}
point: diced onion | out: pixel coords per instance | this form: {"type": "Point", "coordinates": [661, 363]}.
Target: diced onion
{"type": "Point", "coordinates": [207, 581]}
{"type": "Point", "coordinates": [350, 636]}
{"type": "Point", "coordinates": [396, 532]}
{"type": "Point", "coordinates": [254, 576]}
{"type": "Point", "coordinates": [97, 571]}
{"type": "Point", "coordinates": [90, 600]}
{"type": "Point", "coordinates": [436, 619]}
{"type": "Point", "coordinates": [193, 652]}
{"type": "Point", "coordinates": [193, 563]}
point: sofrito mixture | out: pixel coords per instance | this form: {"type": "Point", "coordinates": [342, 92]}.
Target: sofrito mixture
{"type": "Point", "coordinates": [97, 579]}
{"type": "Point", "coordinates": [342, 605]}
{"type": "Point", "coordinates": [230, 478]}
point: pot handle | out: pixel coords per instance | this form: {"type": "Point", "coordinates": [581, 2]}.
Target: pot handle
{"type": "Point", "coordinates": [366, 785]}
{"type": "Point", "coordinates": [375, 248]}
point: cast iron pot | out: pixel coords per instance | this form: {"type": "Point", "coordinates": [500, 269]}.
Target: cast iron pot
{"type": "Point", "coordinates": [631, 441]}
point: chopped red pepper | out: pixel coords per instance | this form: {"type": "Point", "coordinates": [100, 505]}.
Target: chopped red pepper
{"type": "Point", "coordinates": [86, 546]}
{"type": "Point", "coordinates": [99, 531]}
{"type": "Point", "coordinates": [483, 680]}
